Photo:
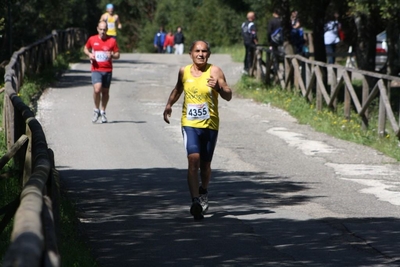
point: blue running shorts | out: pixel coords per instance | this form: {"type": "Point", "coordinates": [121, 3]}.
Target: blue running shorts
{"type": "Point", "coordinates": [200, 140]}
{"type": "Point", "coordinates": [102, 77]}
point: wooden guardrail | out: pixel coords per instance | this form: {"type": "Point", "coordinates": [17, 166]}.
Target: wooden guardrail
{"type": "Point", "coordinates": [327, 83]}
{"type": "Point", "coordinates": [35, 211]}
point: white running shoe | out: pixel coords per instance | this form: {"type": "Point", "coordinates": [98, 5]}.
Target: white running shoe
{"type": "Point", "coordinates": [103, 118]}
{"type": "Point", "coordinates": [96, 115]}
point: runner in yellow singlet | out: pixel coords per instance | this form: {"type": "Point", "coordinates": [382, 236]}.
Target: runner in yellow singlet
{"type": "Point", "coordinates": [112, 21]}
{"type": "Point", "coordinates": [201, 83]}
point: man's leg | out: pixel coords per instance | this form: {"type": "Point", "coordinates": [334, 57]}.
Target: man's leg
{"type": "Point", "coordinates": [96, 100]}
{"type": "Point", "coordinates": [207, 151]}
{"type": "Point", "coordinates": [97, 95]}
{"type": "Point", "coordinates": [250, 56]}
{"type": "Point", "coordinates": [105, 96]}
{"type": "Point", "coordinates": [181, 48]}
{"type": "Point", "coordinates": [275, 59]}
{"type": "Point", "coordinates": [329, 49]}
{"type": "Point", "coordinates": [205, 173]}
{"type": "Point", "coordinates": [196, 208]}
{"type": "Point", "coordinates": [193, 177]}
{"type": "Point", "coordinates": [245, 58]}
{"type": "Point", "coordinates": [333, 52]}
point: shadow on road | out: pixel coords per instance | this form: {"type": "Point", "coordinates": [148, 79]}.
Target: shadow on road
{"type": "Point", "coordinates": [74, 78]}
{"type": "Point", "coordinates": [125, 121]}
{"type": "Point", "coordinates": [140, 217]}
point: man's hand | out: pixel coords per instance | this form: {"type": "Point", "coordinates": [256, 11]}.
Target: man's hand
{"type": "Point", "coordinates": [213, 83]}
{"type": "Point", "coordinates": [167, 113]}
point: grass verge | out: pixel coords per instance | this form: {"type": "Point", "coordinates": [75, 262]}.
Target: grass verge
{"type": "Point", "coordinates": [74, 250]}
{"type": "Point", "coordinates": [236, 52]}
{"type": "Point", "coordinates": [332, 123]}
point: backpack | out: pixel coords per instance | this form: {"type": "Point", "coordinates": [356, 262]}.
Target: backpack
{"type": "Point", "coordinates": [277, 36]}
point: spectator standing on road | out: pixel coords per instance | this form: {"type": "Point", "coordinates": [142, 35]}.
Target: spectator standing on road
{"type": "Point", "coordinates": [201, 84]}
{"type": "Point", "coordinates": [331, 37]}
{"type": "Point", "coordinates": [159, 39]}
{"type": "Point", "coordinates": [101, 49]}
{"type": "Point", "coordinates": [179, 40]}
{"type": "Point", "coordinates": [169, 43]}
{"type": "Point", "coordinates": [112, 21]}
{"type": "Point", "coordinates": [249, 34]}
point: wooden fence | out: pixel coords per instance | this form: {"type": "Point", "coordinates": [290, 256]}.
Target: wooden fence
{"type": "Point", "coordinates": [36, 210]}
{"type": "Point", "coordinates": [326, 84]}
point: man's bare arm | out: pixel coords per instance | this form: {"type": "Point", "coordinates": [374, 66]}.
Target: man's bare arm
{"type": "Point", "coordinates": [221, 85]}
{"type": "Point", "coordinates": [115, 55]}
{"type": "Point", "coordinates": [88, 53]}
{"type": "Point", "coordinates": [174, 96]}
{"type": "Point", "coordinates": [119, 25]}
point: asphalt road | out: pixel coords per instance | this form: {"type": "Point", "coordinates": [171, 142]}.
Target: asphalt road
{"type": "Point", "coordinates": [281, 194]}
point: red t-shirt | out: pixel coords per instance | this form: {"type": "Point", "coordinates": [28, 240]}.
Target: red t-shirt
{"type": "Point", "coordinates": [99, 48]}
{"type": "Point", "coordinates": [169, 40]}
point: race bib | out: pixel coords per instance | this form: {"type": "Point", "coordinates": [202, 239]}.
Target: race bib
{"type": "Point", "coordinates": [101, 56]}
{"type": "Point", "coordinates": [111, 25]}
{"type": "Point", "coordinates": [197, 111]}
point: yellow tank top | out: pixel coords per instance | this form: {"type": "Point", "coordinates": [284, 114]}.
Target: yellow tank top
{"type": "Point", "coordinates": [112, 31]}
{"type": "Point", "coordinates": [200, 104]}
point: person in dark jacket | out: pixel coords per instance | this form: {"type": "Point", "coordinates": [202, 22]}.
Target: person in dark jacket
{"type": "Point", "coordinates": [179, 40]}
{"type": "Point", "coordinates": [249, 34]}
{"type": "Point", "coordinates": [274, 24]}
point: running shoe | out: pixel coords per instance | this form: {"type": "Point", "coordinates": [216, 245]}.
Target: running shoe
{"type": "Point", "coordinates": [203, 199]}
{"type": "Point", "coordinates": [103, 118]}
{"type": "Point", "coordinates": [96, 115]}
{"type": "Point", "coordinates": [196, 209]}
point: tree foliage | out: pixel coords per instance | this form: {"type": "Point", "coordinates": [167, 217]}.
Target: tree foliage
{"type": "Point", "coordinates": [213, 20]}
{"type": "Point", "coordinates": [217, 21]}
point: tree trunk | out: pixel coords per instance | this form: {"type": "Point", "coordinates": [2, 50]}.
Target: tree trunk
{"type": "Point", "coordinates": [367, 29]}
{"type": "Point", "coordinates": [393, 41]}
{"type": "Point", "coordinates": [318, 30]}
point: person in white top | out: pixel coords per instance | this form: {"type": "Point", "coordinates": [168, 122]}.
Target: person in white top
{"type": "Point", "coordinates": [331, 37]}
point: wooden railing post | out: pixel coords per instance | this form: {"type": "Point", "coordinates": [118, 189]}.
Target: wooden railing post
{"type": "Point", "coordinates": [268, 65]}
{"type": "Point", "coordinates": [381, 118]}
{"type": "Point", "coordinates": [28, 158]}
{"type": "Point", "coordinates": [33, 233]}
{"type": "Point", "coordinates": [258, 61]}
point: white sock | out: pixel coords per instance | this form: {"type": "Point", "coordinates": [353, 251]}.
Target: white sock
{"type": "Point", "coordinates": [102, 112]}
{"type": "Point", "coordinates": [96, 110]}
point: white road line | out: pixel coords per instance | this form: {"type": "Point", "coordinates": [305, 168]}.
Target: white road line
{"type": "Point", "coordinates": [308, 147]}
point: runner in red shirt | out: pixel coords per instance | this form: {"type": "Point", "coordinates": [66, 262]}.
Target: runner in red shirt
{"type": "Point", "coordinates": [101, 49]}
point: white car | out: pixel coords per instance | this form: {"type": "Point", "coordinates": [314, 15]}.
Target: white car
{"type": "Point", "coordinates": [381, 51]}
